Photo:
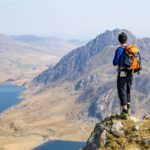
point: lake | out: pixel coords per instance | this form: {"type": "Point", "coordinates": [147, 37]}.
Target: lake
{"type": "Point", "coordinates": [61, 145]}
{"type": "Point", "coordinates": [9, 95]}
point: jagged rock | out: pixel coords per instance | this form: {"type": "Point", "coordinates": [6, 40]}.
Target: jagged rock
{"type": "Point", "coordinates": [134, 119]}
{"type": "Point", "coordinates": [146, 116]}
{"type": "Point", "coordinates": [103, 137]}
{"type": "Point", "coordinates": [147, 141]}
{"type": "Point", "coordinates": [136, 128]}
{"type": "Point", "coordinates": [117, 128]}
{"type": "Point", "coordinates": [87, 82]}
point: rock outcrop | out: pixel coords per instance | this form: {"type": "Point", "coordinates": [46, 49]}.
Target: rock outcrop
{"type": "Point", "coordinates": [117, 134]}
{"type": "Point", "coordinates": [81, 60]}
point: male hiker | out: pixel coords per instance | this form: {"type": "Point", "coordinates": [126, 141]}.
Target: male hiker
{"type": "Point", "coordinates": [128, 60]}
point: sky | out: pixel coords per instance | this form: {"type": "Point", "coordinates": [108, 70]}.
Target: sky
{"type": "Point", "coordinates": [74, 19]}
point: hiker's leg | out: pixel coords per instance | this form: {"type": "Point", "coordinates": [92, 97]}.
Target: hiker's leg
{"type": "Point", "coordinates": [121, 87]}
{"type": "Point", "coordinates": [129, 85]}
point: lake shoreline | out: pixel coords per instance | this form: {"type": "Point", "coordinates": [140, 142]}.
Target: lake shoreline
{"type": "Point", "coordinates": [45, 145]}
{"type": "Point", "coordinates": [23, 140]}
{"type": "Point", "coordinates": [10, 95]}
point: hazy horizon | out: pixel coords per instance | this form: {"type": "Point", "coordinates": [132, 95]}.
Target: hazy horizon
{"type": "Point", "coordinates": [73, 19]}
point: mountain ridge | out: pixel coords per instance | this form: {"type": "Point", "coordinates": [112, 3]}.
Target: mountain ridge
{"type": "Point", "coordinates": [53, 45]}
{"type": "Point", "coordinates": [80, 56]}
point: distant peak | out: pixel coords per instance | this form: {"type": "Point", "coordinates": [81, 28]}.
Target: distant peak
{"type": "Point", "coordinates": [110, 36]}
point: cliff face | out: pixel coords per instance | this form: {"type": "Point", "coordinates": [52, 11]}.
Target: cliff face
{"type": "Point", "coordinates": [116, 134]}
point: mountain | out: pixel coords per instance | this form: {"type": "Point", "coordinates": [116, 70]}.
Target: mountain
{"type": "Point", "coordinates": [28, 38]}
{"type": "Point", "coordinates": [66, 100]}
{"type": "Point", "coordinates": [53, 45]}
{"type": "Point", "coordinates": [21, 59]}
{"type": "Point", "coordinates": [114, 133]}
{"type": "Point", "coordinates": [89, 68]}
{"type": "Point", "coordinates": [82, 60]}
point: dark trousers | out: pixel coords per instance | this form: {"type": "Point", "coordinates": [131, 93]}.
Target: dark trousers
{"type": "Point", "coordinates": [124, 85]}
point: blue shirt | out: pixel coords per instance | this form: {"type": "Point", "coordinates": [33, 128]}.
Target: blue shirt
{"type": "Point", "coordinates": [119, 57]}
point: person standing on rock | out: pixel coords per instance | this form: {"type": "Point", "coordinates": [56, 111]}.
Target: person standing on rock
{"type": "Point", "coordinates": [126, 66]}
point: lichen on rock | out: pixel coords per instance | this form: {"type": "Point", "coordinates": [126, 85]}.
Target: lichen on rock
{"type": "Point", "coordinates": [117, 134]}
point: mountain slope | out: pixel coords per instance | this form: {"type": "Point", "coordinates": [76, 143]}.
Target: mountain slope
{"type": "Point", "coordinates": [82, 59]}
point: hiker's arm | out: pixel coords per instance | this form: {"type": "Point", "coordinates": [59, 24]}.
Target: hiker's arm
{"type": "Point", "coordinates": [116, 57]}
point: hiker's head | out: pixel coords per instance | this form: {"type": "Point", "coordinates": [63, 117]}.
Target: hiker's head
{"type": "Point", "coordinates": [122, 38]}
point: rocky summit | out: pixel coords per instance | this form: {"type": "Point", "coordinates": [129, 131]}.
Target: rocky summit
{"type": "Point", "coordinates": [116, 134]}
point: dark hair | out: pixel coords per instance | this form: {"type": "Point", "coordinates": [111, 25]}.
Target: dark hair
{"type": "Point", "coordinates": [122, 38]}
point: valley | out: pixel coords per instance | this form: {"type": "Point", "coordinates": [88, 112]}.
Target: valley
{"type": "Point", "coordinates": [21, 61]}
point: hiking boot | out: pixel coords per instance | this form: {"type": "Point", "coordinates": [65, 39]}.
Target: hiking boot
{"type": "Point", "coordinates": [129, 111]}
{"type": "Point", "coordinates": [114, 116]}
{"type": "Point", "coordinates": [124, 115]}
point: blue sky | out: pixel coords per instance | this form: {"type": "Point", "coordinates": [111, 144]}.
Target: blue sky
{"type": "Point", "coordinates": [74, 19]}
